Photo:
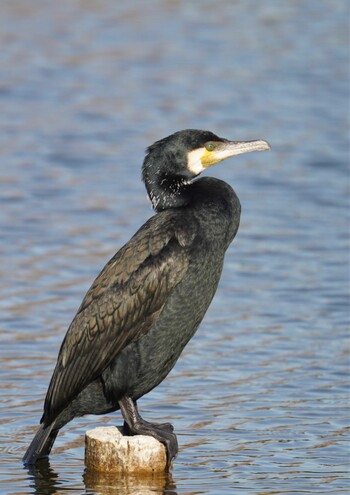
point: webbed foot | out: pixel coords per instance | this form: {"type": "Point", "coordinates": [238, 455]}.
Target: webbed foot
{"type": "Point", "coordinates": [135, 425]}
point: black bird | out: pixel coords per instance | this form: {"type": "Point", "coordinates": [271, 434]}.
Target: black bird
{"type": "Point", "coordinates": [150, 298]}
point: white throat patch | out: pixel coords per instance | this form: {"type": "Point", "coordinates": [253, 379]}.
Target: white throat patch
{"type": "Point", "coordinates": [194, 161]}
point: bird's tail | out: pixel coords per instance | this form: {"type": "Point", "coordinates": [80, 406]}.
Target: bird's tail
{"type": "Point", "coordinates": [41, 444]}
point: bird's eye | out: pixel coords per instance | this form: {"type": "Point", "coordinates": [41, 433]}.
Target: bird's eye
{"type": "Point", "coordinates": [210, 146]}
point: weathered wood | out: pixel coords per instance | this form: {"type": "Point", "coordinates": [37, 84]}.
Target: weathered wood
{"type": "Point", "coordinates": [107, 450]}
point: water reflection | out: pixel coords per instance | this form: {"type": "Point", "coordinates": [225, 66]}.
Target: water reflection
{"type": "Point", "coordinates": [46, 481]}
{"type": "Point", "coordinates": [43, 478]}
{"type": "Point", "coordinates": [129, 485]}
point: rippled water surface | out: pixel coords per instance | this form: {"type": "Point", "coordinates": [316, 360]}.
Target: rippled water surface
{"type": "Point", "coordinates": [259, 398]}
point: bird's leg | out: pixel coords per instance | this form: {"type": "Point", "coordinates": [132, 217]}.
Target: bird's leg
{"type": "Point", "coordinates": [135, 425]}
{"type": "Point", "coordinates": [168, 427]}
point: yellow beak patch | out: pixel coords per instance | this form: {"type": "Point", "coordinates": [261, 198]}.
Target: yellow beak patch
{"type": "Point", "coordinates": [200, 159]}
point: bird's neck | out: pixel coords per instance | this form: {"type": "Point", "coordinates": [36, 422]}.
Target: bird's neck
{"type": "Point", "coordinates": [167, 191]}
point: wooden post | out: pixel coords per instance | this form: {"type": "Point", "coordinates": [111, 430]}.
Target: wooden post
{"type": "Point", "coordinates": [107, 450]}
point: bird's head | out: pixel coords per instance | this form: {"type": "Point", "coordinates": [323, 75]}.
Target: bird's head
{"type": "Point", "coordinates": [172, 162]}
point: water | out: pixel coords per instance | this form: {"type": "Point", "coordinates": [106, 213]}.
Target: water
{"type": "Point", "coordinates": [259, 398]}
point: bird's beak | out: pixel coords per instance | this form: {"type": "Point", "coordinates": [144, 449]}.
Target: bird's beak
{"type": "Point", "coordinates": [227, 149]}
{"type": "Point", "coordinates": [202, 158]}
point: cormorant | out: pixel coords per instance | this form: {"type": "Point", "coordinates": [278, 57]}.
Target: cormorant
{"type": "Point", "coordinates": [150, 298]}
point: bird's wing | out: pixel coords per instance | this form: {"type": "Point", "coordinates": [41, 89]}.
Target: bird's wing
{"type": "Point", "coordinates": [121, 305]}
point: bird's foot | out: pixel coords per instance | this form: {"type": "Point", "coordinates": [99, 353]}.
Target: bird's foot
{"type": "Point", "coordinates": [167, 427]}
{"type": "Point", "coordinates": [161, 432]}
{"type": "Point", "coordinates": [135, 425]}
{"type": "Point", "coordinates": [162, 426]}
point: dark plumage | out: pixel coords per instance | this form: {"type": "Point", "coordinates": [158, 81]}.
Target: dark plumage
{"type": "Point", "coordinates": [151, 296]}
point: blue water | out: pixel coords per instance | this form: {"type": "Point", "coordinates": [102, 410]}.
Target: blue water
{"type": "Point", "coordinates": [260, 397]}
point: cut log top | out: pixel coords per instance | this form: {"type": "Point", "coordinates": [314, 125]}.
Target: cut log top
{"type": "Point", "coordinates": [108, 450]}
